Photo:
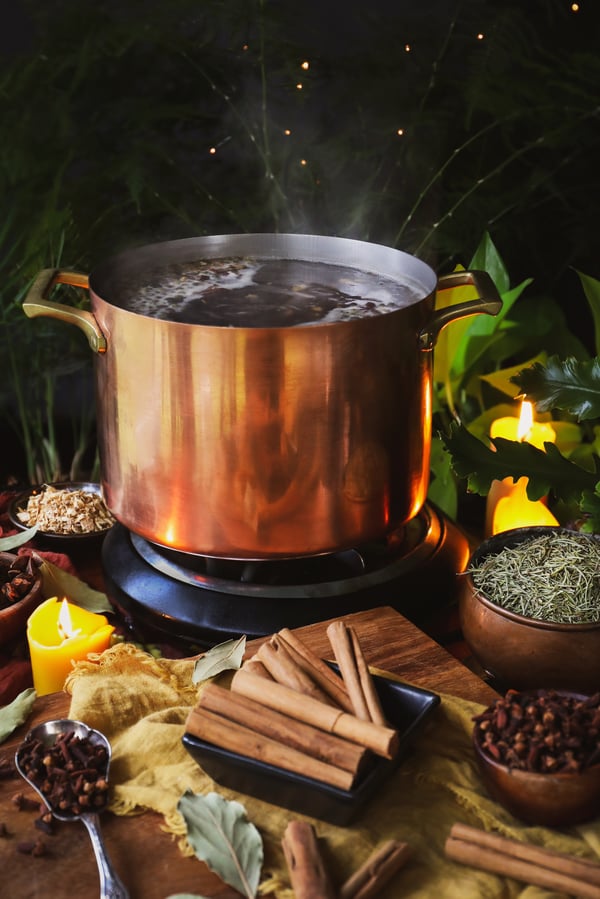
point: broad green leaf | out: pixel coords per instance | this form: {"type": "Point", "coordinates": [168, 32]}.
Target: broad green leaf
{"type": "Point", "coordinates": [590, 505]}
{"type": "Point", "coordinates": [222, 836]}
{"type": "Point", "coordinates": [16, 540]}
{"type": "Point", "coordinates": [502, 379]}
{"type": "Point", "coordinates": [591, 289]}
{"type": "Point", "coordinates": [443, 489]}
{"type": "Point", "coordinates": [16, 712]}
{"type": "Point", "coordinates": [57, 582]}
{"type": "Point", "coordinates": [222, 657]}
{"type": "Point", "coordinates": [547, 470]}
{"type": "Point", "coordinates": [483, 328]}
{"type": "Point", "coordinates": [569, 384]}
{"type": "Point", "coordinates": [487, 259]}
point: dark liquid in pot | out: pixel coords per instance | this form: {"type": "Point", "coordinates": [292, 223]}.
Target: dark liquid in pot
{"type": "Point", "coordinates": [261, 293]}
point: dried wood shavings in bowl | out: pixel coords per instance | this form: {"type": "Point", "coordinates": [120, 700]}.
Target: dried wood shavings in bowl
{"type": "Point", "coordinates": [63, 511]}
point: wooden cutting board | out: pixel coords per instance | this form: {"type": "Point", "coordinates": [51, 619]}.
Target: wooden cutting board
{"type": "Point", "coordinates": [147, 859]}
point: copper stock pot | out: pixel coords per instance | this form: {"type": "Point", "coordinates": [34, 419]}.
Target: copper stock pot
{"type": "Point", "coordinates": [264, 442]}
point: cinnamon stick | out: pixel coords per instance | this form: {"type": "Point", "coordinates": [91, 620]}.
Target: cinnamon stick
{"type": "Point", "coordinates": [257, 667]}
{"type": "Point", "coordinates": [366, 681]}
{"type": "Point", "coordinates": [327, 747]}
{"type": "Point", "coordinates": [242, 740]}
{"type": "Point", "coordinates": [583, 868]}
{"type": "Point", "coordinates": [282, 668]}
{"type": "Point", "coordinates": [355, 672]}
{"type": "Point", "coordinates": [308, 874]}
{"type": "Point", "coordinates": [319, 670]}
{"type": "Point", "coordinates": [341, 644]}
{"type": "Point", "coordinates": [527, 863]}
{"type": "Point", "coordinates": [382, 740]}
{"type": "Point", "coordinates": [378, 869]}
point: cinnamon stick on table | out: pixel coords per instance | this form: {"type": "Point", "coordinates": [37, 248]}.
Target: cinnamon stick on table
{"type": "Point", "coordinates": [304, 737]}
{"type": "Point", "coordinates": [523, 861]}
{"type": "Point", "coordinates": [355, 672]}
{"type": "Point", "coordinates": [308, 874]}
{"type": "Point", "coordinates": [383, 741]}
{"type": "Point", "coordinates": [378, 869]}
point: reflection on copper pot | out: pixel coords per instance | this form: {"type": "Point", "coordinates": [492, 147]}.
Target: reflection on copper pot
{"type": "Point", "coordinates": [265, 442]}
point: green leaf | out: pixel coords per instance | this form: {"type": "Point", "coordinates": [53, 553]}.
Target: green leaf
{"type": "Point", "coordinates": [222, 657]}
{"type": "Point", "coordinates": [590, 505]}
{"type": "Point", "coordinates": [16, 712]}
{"type": "Point", "coordinates": [591, 289]}
{"type": "Point", "coordinates": [548, 471]}
{"type": "Point", "coordinates": [222, 837]}
{"type": "Point", "coordinates": [487, 259]}
{"type": "Point", "coordinates": [57, 582]}
{"type": "Point", "coordinates": [569, 385]}
{"type": "Point", "coordinates": [502, 379]}
{"type": "Point", "coordinates": [443, 489]}
{"type": "Point", "coordinates": [16, 540]}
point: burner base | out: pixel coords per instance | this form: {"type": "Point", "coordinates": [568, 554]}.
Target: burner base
{"type": "Point", "coordinates": [157, 604]}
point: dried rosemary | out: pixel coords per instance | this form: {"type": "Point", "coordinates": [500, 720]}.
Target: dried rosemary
{"type": "Point", "coordinates": [551, 578]}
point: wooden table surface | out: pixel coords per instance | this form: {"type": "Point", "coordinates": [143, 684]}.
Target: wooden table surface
{"type": "Point", "coordinates": [148, 859]}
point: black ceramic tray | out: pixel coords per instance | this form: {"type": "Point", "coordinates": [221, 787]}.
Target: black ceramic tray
{"type": "Point", "coordinates": [406, 708]}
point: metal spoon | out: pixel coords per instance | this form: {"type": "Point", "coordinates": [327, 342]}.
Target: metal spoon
{"type": "Point", "coordinates": [111, 886]}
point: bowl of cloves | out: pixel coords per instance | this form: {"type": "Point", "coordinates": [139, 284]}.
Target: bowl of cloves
{"type": "Point", "coordinates": [529, 606]}
{"type": "Point", "coordinates": [20, 593]}
{"type": "Point", "coordinates": [538, 754]}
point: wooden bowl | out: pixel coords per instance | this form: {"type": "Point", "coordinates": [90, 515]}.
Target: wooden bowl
{"type": "Point", "coordinates": [13, 618]}
{"type": "Point", "coordinates": [549, 800]}
{"type": "Point", "coordinates": [526, 653]}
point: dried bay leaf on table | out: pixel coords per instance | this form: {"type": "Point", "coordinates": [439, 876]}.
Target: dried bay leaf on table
{"type": "Point", "coordinates": [16, 712]}
{"type": "Point", "coordinates": [15, 540]}
{"type": "Point", "coordinates": [57, 582]}
{"type": "Point", "coordinates": [222, 657]}
{"type": "Point", "coordinates": [221, 835]}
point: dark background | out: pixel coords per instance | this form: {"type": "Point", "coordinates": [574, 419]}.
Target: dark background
{"type": "Point", "coordinates": [110, 111]}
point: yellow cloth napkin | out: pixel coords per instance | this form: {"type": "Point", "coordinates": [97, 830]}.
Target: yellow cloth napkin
{"type": "Point", "coordinates": [141, 704]}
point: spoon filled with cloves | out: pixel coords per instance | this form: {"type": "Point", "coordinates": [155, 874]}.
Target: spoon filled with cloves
{"type": "Point", "coordinates": [66, 762]}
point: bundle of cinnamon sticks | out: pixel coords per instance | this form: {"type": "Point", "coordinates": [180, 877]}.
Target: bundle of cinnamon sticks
{"type": "Point", "coordinates": [528, 863]}
{"type": "Point", "coordinates": [288, 708]}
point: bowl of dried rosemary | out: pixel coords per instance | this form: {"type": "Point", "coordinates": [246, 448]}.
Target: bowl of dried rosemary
{"type": "Point", "coordinates": [66, 514]}
{"type": "Point", "coordinates": [529, 607]}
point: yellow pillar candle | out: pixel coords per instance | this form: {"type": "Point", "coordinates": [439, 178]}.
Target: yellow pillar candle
{"type": "Point", "coordinates": [508, 505]}
{"type": "Point", "coordinates": [60, 633]}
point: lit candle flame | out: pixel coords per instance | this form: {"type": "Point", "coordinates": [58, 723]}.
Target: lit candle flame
{"type": "Point", "coordinates": [525, 421]}
{"type": "Point", "coordinates": [65, 625]}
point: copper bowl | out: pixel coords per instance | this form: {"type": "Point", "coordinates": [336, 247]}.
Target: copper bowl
{"type": "Point", "coordinates": [526, 653]}
{"type": "Point", "coordinates": [548, 800]}
{"type": "Point", "coordinates": [13, 618]}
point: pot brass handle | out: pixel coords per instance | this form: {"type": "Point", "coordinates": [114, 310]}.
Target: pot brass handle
{"type": "Point", "coordinates": [489, 302]}
{"type": "Point", "coordinates": [36, 304]}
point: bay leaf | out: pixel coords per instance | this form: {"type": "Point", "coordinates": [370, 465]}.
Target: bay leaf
{"type": "Point", "coordinates": [222, 657]}
{"type": "Point", "coordinates": [222, 836]}
{"type": "Point", "coordinates": [16, 712]}
{"type": "Point", "coordinates": [57, 582]}
{"type": "Point", "coordinates": [15, 540]}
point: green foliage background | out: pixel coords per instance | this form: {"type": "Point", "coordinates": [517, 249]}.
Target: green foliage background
{"type": "Point", "coordinates": [109, 114]}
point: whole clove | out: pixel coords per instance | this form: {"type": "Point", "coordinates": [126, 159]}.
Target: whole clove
{"type": "Point", "coordinates": [543, 731]}
{"type": "Point", "coordinates": [70, 774]}
{"type": "Point", "coordinates": [25, 803]}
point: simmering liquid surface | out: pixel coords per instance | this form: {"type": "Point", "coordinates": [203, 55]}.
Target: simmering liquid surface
{"type": "Point", "coordinates": [261, 293]}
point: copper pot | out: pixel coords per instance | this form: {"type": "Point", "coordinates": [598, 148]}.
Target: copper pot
{"type": "Point", "coordinates": [256, 443]}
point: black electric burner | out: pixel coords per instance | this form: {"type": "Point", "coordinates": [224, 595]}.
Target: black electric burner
{"type": "Point", "coordinates": [202, 601]}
